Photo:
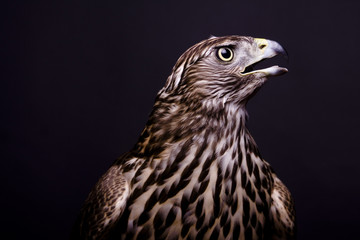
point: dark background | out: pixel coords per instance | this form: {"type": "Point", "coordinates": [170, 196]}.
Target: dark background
{"type": "Point", "coordinates": [78, 81]}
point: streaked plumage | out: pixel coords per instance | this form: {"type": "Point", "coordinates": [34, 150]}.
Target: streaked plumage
{"type": "Point", "coordinates": [196, 172]}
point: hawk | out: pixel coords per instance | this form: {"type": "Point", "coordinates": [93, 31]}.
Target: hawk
{"type": "Point", "coordinates": [196, 172]}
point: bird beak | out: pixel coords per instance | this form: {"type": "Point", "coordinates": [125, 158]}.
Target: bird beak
{"type": "Point", "coordinates": [268, 49]}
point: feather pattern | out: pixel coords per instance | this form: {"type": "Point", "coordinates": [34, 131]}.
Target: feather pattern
{"type": "Point", "coordinates": [195, 172]}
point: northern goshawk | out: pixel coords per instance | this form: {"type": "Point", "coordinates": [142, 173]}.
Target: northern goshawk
{"type": "Point", "coordinates": [196, 172]}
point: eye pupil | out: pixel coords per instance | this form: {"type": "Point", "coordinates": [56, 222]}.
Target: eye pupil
{"type": "Point", "coordinates": [225, 54]}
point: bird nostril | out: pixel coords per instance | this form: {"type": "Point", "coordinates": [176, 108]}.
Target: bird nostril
{"type": "Point", "coordinates": [262, 46]}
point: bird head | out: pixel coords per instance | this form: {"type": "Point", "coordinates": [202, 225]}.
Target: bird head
{"type": "Point", "coordinates": [221, 69]}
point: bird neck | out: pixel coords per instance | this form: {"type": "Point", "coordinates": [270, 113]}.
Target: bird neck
{"type": "Point", "coordinates": [174, 130]}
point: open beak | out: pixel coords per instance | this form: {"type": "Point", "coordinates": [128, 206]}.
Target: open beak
{"type": "Point", "coordinates": [266, 49]}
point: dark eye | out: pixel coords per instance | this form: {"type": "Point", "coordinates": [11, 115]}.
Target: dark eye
{"type": "Point", "coordinates": [225, 54]}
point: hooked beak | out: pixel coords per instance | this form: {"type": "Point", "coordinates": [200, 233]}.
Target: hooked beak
{"type": "Point", "coordinates": [267, 49]}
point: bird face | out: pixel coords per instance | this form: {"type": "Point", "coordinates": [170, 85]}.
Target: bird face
{"type": "Point", "coordinates": [222, 68]}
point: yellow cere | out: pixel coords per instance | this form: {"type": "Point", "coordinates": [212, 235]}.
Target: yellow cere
{"type": "Point", "coordinates": [261, 42]}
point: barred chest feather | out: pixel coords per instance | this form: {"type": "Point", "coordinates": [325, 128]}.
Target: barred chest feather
{"type": "Point", "coordinates": [210, 183]}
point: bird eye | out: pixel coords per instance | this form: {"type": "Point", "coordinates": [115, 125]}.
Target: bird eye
{"type": "Point", "coordinates": [225, 54]}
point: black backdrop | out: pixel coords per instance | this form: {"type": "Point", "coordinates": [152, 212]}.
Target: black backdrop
{"type": "Point", "coordinates": [78, 81]}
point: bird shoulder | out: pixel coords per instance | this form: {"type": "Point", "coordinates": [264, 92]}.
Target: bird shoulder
{"type": "Point", "coordinates": [282, 211]}
{"type": "Point", "coordinates": [105, 204]}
